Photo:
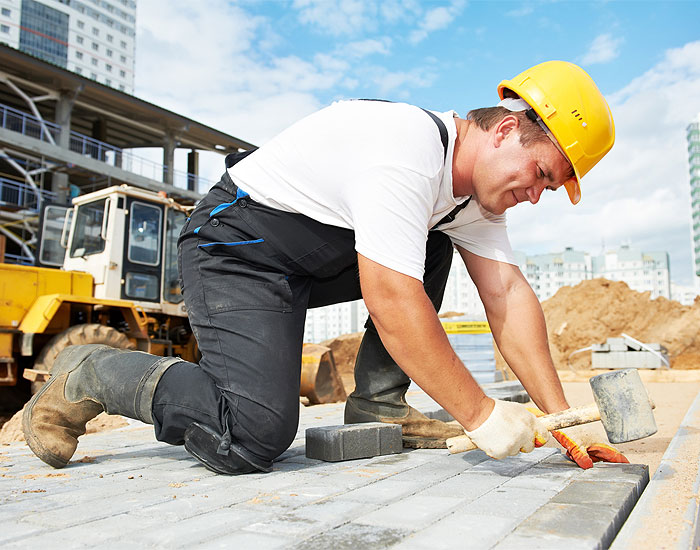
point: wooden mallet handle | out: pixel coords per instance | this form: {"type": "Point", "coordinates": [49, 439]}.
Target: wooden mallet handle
{"type": "Point", "coordinates": [555, 421]}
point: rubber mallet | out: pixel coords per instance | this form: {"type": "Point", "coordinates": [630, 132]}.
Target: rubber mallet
{"type": "Point", "coordinates": [621, 403]}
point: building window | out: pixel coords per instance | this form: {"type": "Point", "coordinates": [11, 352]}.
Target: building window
{"type": "Point", "coordinates": [5, 29]}
{"type": "Point", "coordinates": [6, 12]}
{"type": "Point", "coordinates": [78, 70]}
{"type": "Point", "coordinates": [94, 61]}
{"type": "Point", "coordinates": [79, 39]}
{"type": "Point", "coordinates": [108, 82]}
{"type": "Point", "coordinates": [122, 74]}
{"type": "Point", "coordinates": [81, 25]}
{"type": "Point", "coordinates": [93, 76]}
{"type": "Point", "coordinates": [44, 32]}
{"type": "Point", "coordinates": [95, 31]}
{"type": "Point", "coordinates": [122, 58]}
{"type": "Point", "coordinates": [123, 44]}
{"type": "Point", "coordinates": [95, 46]}
{"type": "Point", "coordinates": [79, 55]}
{"type": "Point", "coordinates": [110, 38]}
{"type": "Point", "coordinates": [121, 87]}
{"type": "Point", "coordinates": [109, 53]}
{"type": "Point", "coordinates": [109, 68]}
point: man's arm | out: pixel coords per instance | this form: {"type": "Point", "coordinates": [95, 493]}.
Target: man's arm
{"type": "Point", "coordinates": [412, 334]}
{"type": "Point", "coordinates": [518, 326]}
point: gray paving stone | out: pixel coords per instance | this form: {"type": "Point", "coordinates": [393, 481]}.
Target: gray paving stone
{"type": "Point", "coordinates": [411, 513]}
{"type": "Point", "coordinates": [353, 536]}
{"type": "Point", "coordinates": [258, 541]}
{"type": "Point", "coordinates": [459, 530]}
{"type": "Point", "coordinates": [351, 441]}
{"type": "Point", "coordinates": [468, 485]}
{"type": "Point", "coordinates": [381, 492]}
{"type": "Point", "coordinates": [586, 525]}
{"type": "Point", "coordinates": [514, 503]}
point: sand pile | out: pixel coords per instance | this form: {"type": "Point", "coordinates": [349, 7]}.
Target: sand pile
{"type": "Point", "coordinates": [595, 310]}
{"type": "Point", "coordinates": [11, 431]}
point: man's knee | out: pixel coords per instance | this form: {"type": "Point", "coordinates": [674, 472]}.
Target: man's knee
{"type": "Point", "coordinates": [267, 430]}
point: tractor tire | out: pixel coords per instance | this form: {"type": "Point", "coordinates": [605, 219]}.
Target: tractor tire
{"type": "Point", "coordinates": [76, 336]}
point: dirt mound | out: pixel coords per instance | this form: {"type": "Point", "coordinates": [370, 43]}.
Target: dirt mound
{"type": "Point", "coordinates": [595, 310]}
{"type": "Point", "coordinates": [12, 429]}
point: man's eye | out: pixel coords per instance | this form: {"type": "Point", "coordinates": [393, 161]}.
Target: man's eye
{"type": "Point", "coordinates": [540, 173]}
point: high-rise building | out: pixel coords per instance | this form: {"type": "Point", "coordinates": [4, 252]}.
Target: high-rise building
{"type": "Point", "coordinates": [94, 38]}
{"type": "Point", "coordinates": [693, 136]}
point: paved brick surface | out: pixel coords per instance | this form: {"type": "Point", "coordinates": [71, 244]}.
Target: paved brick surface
{"type": "Point", "coordinates": [125, 490]}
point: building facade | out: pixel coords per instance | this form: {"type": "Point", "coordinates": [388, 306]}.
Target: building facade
{"type": "Point", "coordinates": [693, 137]}
{"type": "Point", "coordinates": [94, 38]}
{"type": "Point", "coordinates": [547, 273]}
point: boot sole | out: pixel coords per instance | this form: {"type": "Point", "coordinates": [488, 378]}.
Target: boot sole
{"type": "Point", "coordinates": [34, 444]}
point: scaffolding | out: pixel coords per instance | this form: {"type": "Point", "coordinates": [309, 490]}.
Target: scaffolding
{"type": "Point", "coordinates": [62, 134]}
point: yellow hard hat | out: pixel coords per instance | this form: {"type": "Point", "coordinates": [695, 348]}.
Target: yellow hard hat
{"type": "Point", "coordinates": [573, 109]}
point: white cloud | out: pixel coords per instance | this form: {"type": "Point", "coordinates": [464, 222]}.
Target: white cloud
{"type": "Point", "coordinates": [208, 65]}
{"type": "Point", "coordinates": [367, 47]}
{"type": "Point", "coordinates": [522, 11]}
{"type": "Point", "coordinates": [640, 191]}
{"type": "Point", "coordinates": [436, 19]}
{"type": "Point", "coordinates": [338, 17]}
{"type": "Point", "coordinates": [604, 48]}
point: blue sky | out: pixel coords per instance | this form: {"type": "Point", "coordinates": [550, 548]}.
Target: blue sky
{"type": "Point", "coordinates": [253, 67]}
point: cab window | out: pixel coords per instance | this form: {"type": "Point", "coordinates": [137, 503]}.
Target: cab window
{"type": "Point", "coordinates": [87, 239]}
{"type": "Point", "coordinates": [144, 234]}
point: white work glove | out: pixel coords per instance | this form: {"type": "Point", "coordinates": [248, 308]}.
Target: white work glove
{"type": "Point", "coordinates": [509, 429]}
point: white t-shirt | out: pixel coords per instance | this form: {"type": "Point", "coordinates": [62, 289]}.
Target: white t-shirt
{"type": "Point", "coordinates": [377, 168]}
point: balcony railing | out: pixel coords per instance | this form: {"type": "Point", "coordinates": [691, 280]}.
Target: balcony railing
{"type": "Point", "coordinates": [21, 195]}
{"type": "Point", "coordinates": [27, 125]}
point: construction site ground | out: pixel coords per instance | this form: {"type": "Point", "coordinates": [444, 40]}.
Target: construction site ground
{"type": "Point", "coordinates": [126, 490]}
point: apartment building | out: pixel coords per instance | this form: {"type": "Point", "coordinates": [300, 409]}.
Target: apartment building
{"type": "Point", "coordinates": [94, 38]}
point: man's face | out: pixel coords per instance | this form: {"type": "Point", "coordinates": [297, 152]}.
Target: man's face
{"type": "Point", "coordinates": [508, 173]}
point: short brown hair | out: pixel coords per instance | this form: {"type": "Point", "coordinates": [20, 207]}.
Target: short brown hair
{"type": "Point", "coordinates": [530, 131]}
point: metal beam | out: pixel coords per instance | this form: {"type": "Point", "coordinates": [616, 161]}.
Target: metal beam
{"type": "Point", "coordinates": [64, 156]}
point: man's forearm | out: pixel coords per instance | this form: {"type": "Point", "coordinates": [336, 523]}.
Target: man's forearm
{"type": "Point", "coordinates": [412, 334]}
{"type": "Point", "coordinates": [518, 326]}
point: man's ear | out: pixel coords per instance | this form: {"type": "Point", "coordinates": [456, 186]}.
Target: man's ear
{"type": "Point", "coordinates": [505, 128]}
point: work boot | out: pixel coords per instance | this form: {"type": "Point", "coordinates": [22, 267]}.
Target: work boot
{"type": "Point", "coordinates": [86, 380]}
{"type": "Point", "coordinates": [379, 396]}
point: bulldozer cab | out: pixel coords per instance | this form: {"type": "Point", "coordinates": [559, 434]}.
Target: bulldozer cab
{"type": "Point", "coordinates": [126, 238]}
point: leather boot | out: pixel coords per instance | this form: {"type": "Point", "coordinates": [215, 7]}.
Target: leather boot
{"type": "Point", "coordinates": [86, 380]}
{"type": "Point", "coordinates": [379, 396]}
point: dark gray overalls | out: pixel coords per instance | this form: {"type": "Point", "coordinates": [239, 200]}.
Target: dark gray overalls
{"type": "Point", "coordinates": [249, 273]}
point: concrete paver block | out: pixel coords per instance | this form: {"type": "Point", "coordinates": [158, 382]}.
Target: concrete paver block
{"type": "Point", "coordinates": [592, 526]}
{"type": "Point", "coordinates": [351, 441]}
{"type": "Point", "coordinates": [352, 536]}
{"type": "Point", "coordinates": [411, 513]}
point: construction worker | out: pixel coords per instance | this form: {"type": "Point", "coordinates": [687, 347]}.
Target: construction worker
{"type": "Point", "coordinates": [361, 199]}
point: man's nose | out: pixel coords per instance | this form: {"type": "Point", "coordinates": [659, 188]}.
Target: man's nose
{"type": "Point", "coordinates": [534, 192]}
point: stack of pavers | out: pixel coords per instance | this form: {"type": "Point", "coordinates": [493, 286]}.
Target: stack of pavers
{"type": "Point", "coordinates": [628, 353]}
{"type": "Point", "coordinates": [473, 344]}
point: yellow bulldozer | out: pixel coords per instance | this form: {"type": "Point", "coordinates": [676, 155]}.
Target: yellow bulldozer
{"type": "Point", "coordinates": [107, 274]}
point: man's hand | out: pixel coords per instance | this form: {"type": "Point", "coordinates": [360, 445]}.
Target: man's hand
{"type": "Point", "coordinates": [586, 454]}
{"type": "Point", "coordinates": [509, 429]}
